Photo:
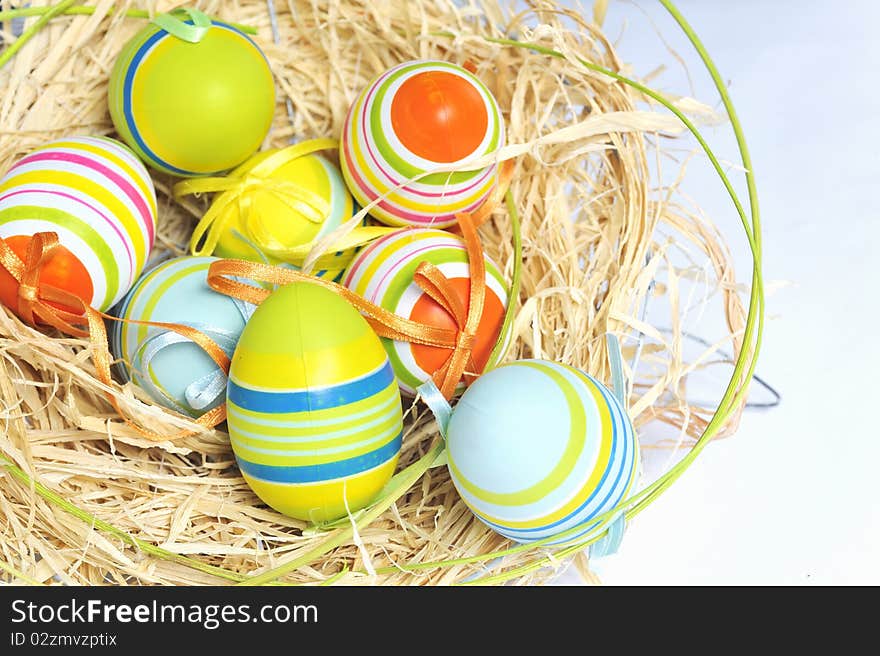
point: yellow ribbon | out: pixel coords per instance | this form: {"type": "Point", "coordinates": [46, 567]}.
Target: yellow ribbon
{"type": "Point", "coordinates": [239, 188]}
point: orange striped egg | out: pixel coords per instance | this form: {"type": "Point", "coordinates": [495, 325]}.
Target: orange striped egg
{"type": "Point", "coordinates": [98, 197]}
{"type": "Point", "coordinates": [415, 119]}
{"type": "Point", "coordinates": [383, 274]}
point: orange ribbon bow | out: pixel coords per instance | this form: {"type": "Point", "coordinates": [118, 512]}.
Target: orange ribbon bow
{"type": "Point", "coordinates": [37, 303]}
{"type": "Point", "coordinates": [386, 324]}
{"type": "Point", "coordinates": [429, 278]}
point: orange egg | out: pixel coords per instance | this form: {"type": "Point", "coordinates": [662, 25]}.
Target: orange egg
{"type": "Point", "coordinates": [383, 274]}
{"type": "Point", "coordinates": [439, 116]}
{"type": "Point", "coordinates": [62, 270]}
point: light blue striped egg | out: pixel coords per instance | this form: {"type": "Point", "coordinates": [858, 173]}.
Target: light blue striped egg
{"type": "Point", "coordinates": [174, 371]}
{"type": "Point", "coordinates": [537, 448]}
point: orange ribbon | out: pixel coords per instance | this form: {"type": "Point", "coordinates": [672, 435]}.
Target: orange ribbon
{"type": "Point", "coordinates": [34, 307]}
{"type": "Point", "coordinates": [428, 277]}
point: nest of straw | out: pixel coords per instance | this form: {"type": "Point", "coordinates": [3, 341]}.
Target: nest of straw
{"type": "Point", "coordinates": [89, 501]}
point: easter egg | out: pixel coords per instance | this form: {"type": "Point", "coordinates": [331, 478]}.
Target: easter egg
{"type": "Point", "coordinates": [173, 370]}
{"type": "Point", "coordinates": [537, 448]}
{"type": "Point", "coordinates": [192, 108]}
{"type": "Point", "coordinates": [411, 120]}
{"type": "Point", "coordinates": [314, 412]}
{"type": "Point", "coordinates": [263, 221]}
{"type": "Point", "coordinates": [99, 199]}
{"type": "Point", "coordinates": [383, 274]}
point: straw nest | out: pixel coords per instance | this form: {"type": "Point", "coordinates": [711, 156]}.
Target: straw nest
{"type": "Point", "coordinates": [598, 238]}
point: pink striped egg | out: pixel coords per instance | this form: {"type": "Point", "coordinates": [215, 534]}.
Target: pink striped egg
{"type": "Point", "coordinates": [409, 140]}
{"type": "Point", "coordinates": [98, 197]}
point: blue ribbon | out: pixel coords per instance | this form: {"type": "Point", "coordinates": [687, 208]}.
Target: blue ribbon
{"type": "Point", "coordinates": [437, 403]}
{"type": "Point", "coordinates": [615, 358]}
{"type": "Point", "coordinates": [205, 392]}
{"type": "Point", "coordinates": [610, 542]}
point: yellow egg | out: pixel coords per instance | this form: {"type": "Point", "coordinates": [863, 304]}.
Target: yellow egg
{"type": "Point", "coordinates": [314, 411]}
{"type": "Point", "coordinates": [300, 201]}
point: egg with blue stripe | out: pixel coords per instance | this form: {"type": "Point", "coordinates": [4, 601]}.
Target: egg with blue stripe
{"type": "Point", "coordinates": [538, 448]}
{"type": "Point", "coordinates": [192, 108]}
{"type": "Point", "coordinates": [175, 371]}
{"type": "Point", "coordinates": [314, 411]}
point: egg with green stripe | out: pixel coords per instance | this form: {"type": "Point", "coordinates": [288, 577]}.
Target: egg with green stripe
{"type": "Point", "coordinates": [409, 137]}
{"type": "Point", "coordinates": [99, 199]}
{"type": "Point", "coordinates": [175, 371]}
{"type": "Point", "coordinates": [192, 108]}
{"type": "Point", "coordinates": [383, 274]}
{"type": "Point", "coordinates": [538, 448]}
{"type": "Point", "coordinates": [314, 411]}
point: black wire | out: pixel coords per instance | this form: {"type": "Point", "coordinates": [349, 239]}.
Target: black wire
{"type": "Point", "coordinates": [777, 400]}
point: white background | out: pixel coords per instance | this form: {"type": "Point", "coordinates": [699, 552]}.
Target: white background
{"type": "Point", "coordinates": [790, 499]}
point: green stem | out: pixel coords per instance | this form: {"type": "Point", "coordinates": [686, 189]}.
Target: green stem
{"type": "Point", "coordinates": [90, 519]}
{"type": "Point", "coordinates": [26, 12]}
{"type": "Point", "coordinates": [731, 112]}
{"type": "Point", "coordinates": [513, 295]}
{"type": "Point", "coordinates": [756, 297]}
{"type": "Point", "coordinates": [32, 31]}
{"type": "Point", "coordinates": [9, 569]}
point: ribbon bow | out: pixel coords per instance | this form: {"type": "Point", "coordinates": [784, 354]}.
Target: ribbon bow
{"type": "Point", "coordinates": [255, 176]}
{"type": "Point", "coordinates": [202, 394]}
{"type": "Point", "coordinates": [38, 303]}
{"type": "Point", "coordinates": [34, 297]}
{"type": "Point", "coordinates": [224, 276]}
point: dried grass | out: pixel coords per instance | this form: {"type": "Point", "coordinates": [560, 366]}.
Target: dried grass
{"type": "Point", "coordinates": [582, 147]}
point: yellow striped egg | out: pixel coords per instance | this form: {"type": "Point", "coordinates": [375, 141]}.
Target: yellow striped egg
{"type": "Point", "coordinates": [538, 448]}
{"type": "Point", "coordinates": [411, 122]}
{"type": "Point", "coordinates": [314, 411]}
{"type": "Point", "coordinates": [95, 194]}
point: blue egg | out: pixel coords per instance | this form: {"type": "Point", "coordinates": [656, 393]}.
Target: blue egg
{"type": "Point", "coordinates": [537, 448]}
{"type": "Point", "coordinates": [173, 370]}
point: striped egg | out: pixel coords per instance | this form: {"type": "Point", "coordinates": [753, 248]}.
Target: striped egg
{"type": "Point", "coordinates": [99, 199]}
{"type": "Point", "coordinates": [314, 412]}
{"type": "Point", "coordinates": [192, 108]}
{"type": "Point", "coordinates": [383, 274]}
{"type": "Point", "coordinates": [412, 120]}
{"type": "Point", "coordinates": [537, 448]}
{"type": "Point", "coordinates": [271, 224]}
{"type": "Point", "coordinates": [173, 370]}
